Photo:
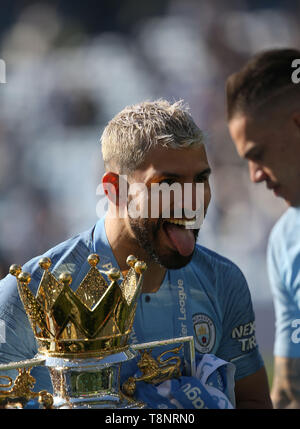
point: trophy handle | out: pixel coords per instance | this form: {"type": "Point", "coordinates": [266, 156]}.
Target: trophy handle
{"type": "Point", "coordinates": [155, 371]}
{"type": "Point", "coordinates": [20, 389]}
{"type": "Point", "coordinates": [6, 377]}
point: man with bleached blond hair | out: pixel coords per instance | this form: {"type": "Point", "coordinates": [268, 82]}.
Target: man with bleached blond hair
{"type": "Point", "coordinates": [188, 290]}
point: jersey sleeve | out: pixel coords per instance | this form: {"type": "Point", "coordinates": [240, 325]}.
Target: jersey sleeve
{"type": "Point", "coordinates": [238, 344]}
{"type": "Point", "coordinates": [284, 279]}
{"type": "Point", "coordinates": [17, 339]}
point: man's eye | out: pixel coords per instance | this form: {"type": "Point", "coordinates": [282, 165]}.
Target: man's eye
{"type": "Point", "coordinates": [202, 178]}
{"type": "Point", "coordinates": [167, 181]}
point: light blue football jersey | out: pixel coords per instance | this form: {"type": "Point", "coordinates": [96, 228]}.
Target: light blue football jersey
{"type": "Point", "coordinates": [284, 274]}
{"type": "Point", "coordinates": [208, 299]}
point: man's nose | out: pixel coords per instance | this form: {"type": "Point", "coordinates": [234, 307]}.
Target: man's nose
{"type": "Point", "coordinates": [256, 172]}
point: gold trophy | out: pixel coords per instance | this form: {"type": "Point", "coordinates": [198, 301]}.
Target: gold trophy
{"type": "Point", "coordinates": [82, 336]}
{"type": "Point", "coordinates": [83, 340]}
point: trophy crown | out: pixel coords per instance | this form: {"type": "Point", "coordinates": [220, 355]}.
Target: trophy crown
{"type": "Point", "coordinates": [94, 320]}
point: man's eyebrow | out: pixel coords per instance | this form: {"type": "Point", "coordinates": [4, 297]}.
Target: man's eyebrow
{"type": "Point", "coordinates": [205, 172]}
{"type": "Point", "coordinates": [162, 174]}
{"type": "Point", "coordinates": [167, 174]}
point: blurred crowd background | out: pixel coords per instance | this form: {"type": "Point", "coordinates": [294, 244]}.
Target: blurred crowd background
{"type": "Point", "coordinates": [72, 65]}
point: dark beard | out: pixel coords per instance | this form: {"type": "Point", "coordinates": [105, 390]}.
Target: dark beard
{"type": "Point", "coordinates": [147, 236]}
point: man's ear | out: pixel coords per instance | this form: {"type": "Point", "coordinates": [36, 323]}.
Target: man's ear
{"type": "Point", "coordinates": [110, 182]}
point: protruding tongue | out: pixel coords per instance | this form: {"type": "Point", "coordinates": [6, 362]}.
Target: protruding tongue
{"type": "Point", "coordinates": [182, 239]}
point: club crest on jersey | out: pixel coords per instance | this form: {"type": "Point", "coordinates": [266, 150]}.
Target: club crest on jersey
{"type": "Point", "coordinates": [205, 333]}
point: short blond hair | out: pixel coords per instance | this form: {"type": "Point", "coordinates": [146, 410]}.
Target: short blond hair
{"type": "Point", "coordinates": [136, 129]}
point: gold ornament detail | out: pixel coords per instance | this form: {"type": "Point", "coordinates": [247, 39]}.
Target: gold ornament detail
{"type": "Point", "coordinates": [20, 392]}
{"type": "Point", "coordinates": [154, 371]}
